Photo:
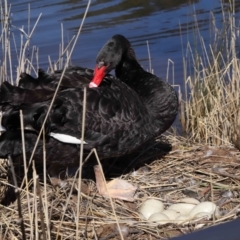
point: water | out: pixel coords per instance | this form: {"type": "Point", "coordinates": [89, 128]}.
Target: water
{"type": "Point", "coordinates": [155, 21]}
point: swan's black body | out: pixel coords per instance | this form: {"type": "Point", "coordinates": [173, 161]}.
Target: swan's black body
{"type": "Point", "coordinates": [121, 113]}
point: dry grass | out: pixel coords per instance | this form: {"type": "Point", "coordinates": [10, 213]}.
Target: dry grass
{"type": "Point", "coordinates": [205, 173]}
{"type": "Point", "coordinates": [210, 112]}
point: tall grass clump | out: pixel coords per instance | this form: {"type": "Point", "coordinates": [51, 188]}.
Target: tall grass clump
{"type": "Point", "coordinates": [210, 110]}
{"type": "Point", "coordinates": [16, 45]}
{"type": "Point", "coordinates": [5, 61]}
{"type": "Point", "coordinates": [21, 51]}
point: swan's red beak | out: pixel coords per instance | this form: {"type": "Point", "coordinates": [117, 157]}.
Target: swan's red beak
{"type": "Point", "coordinates": [99, 74]}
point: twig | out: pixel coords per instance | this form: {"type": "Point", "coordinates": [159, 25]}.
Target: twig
{"type": "Point", "coordinates": [110, 198]}
{"type": "Point", "coordinates": [17, 191]}
{"type": "Point", "coordinates": [81, 158]}
{"type": "Point", "coordinates": [25, 168]}
{"type": "Point", "coordinates": [224, 174]}
{"type": "Point", "coordinates": [41, 207]}
{"type": "Point", "coordinates": [149, 58]}
{"type": "Point", "coordinates": [45, 185]}
{"type": "Point", "coordinates": [114, 234]}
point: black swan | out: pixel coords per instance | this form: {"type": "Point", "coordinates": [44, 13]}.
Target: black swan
{"type": "Point", "coordinates": [122, 113]}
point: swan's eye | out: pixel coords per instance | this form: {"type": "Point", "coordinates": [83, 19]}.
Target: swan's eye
{"type": "Point", "coordinates": [100, 64]}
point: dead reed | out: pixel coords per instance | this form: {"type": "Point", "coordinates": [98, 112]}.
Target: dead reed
{"type": "Point", "coordinates": [210, 109]}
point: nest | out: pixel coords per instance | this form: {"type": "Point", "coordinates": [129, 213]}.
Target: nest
{"type": "Point", "coordinates": [49, 211]}
{"type": "Point", "coordinates": [4, 178]}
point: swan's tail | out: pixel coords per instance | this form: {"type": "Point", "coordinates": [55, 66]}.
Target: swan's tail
{"type": "Point", "coordinates": [10, 94]}
{"type": "Point", "coordinates": [15, 97]}
{"type": "Point", "coordinates": [28, 82]}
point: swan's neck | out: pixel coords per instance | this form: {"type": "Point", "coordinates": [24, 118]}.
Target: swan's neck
{"type": "Point", "coordinates": [130, 72]}
{"type": "Point", "coordinates": [143, 83]}
{"type": "Point", "coordinates": [158, 96]}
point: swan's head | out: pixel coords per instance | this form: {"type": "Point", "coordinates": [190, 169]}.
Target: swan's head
{"type": "Point", "coordinates": [109, 57]}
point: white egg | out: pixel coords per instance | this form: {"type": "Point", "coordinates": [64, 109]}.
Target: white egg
{"type": "Point", "coordinates": [182, 219]}
{"type": "Point", "coordinates": [159, 218]}
{"type": "Point", "coordinates": [150, 207]}
{"type": "Point", "coordinates": [182, 208]}
{"type": "Point", "coordinates": [207, 207]}
{"type": "Point", "coordinates": [171, 214]}
{"type": "Point", "coordinates": [189, 200]}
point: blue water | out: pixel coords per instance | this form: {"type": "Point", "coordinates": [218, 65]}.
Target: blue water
{"type": "Point", "coordinates": [155, 21]}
